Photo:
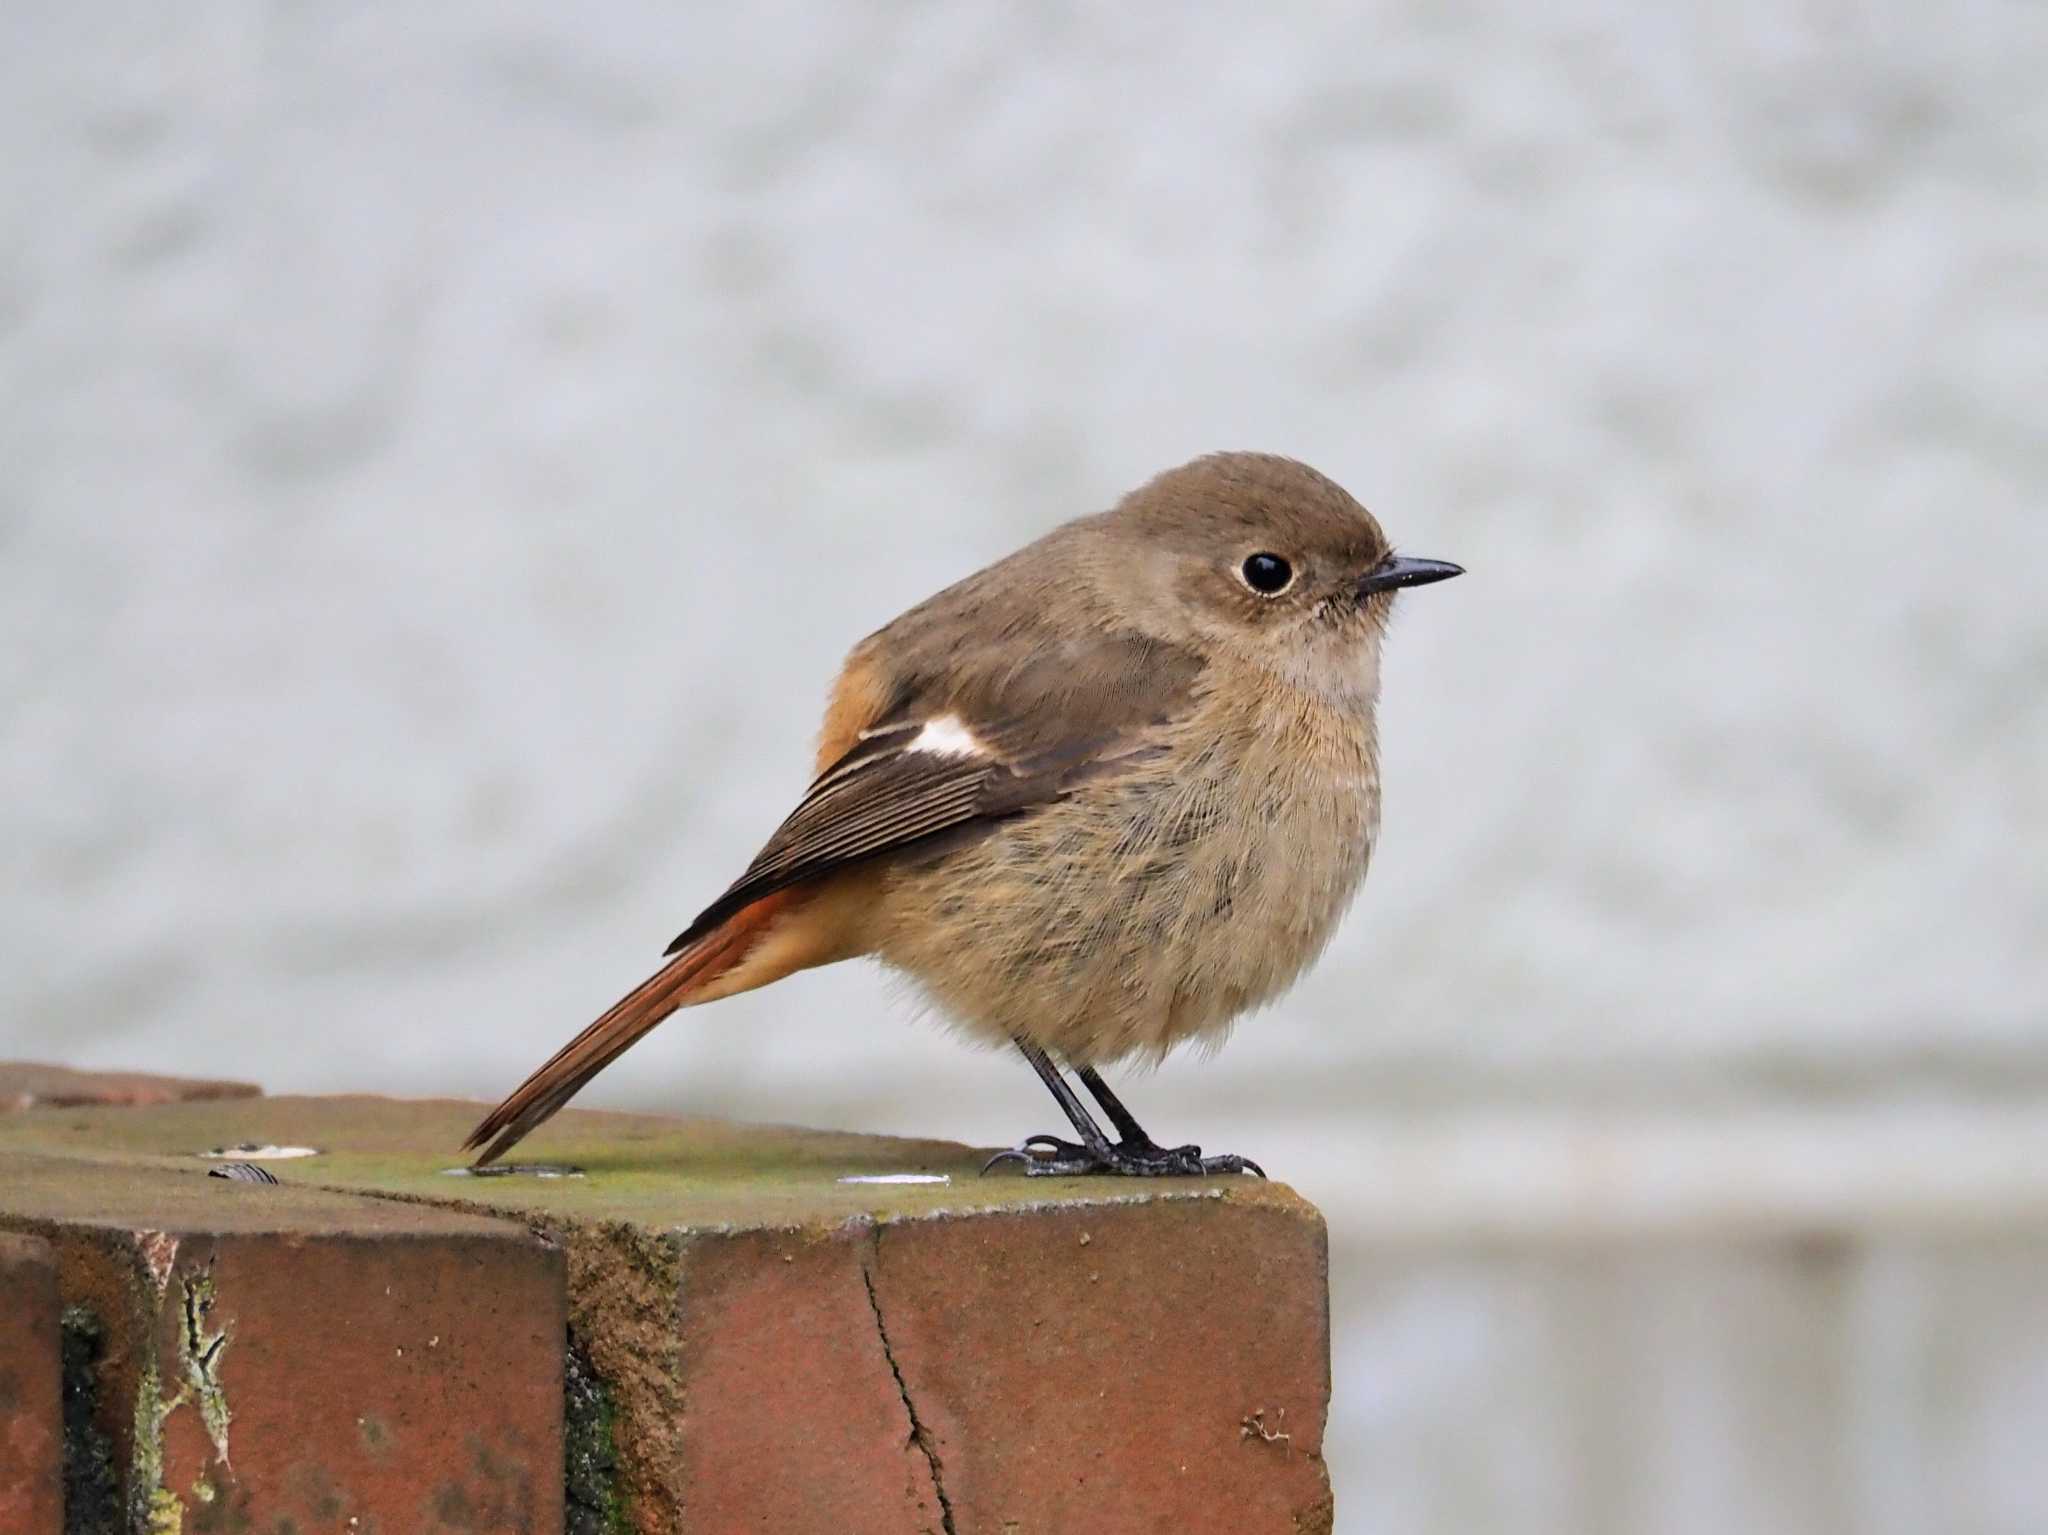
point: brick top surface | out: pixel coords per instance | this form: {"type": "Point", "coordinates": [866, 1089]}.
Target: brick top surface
{"type": "Point", "coordinates": [28, 1085]}
{"type": "Point", "coordinates": [45, 1191]}
{"type": "Point", "coordinates": [670, 1174]}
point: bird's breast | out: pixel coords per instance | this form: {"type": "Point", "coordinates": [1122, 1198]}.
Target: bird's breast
{"type": "Point", "coordinates": [1152, 905]}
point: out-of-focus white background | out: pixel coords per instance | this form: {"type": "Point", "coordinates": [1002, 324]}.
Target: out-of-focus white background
{"type": "Point", "coordinates": [444, 453]}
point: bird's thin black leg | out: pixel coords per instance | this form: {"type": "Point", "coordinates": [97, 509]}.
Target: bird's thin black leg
{"type": "Point", "coordinates": [1043, 1156]}
{"type": "Point", "coordinates": [1069, 1101]}
{"type": "Point", "coordinates": [1126, 1123]}
{"type": "Point", "coordinates": [1135, 1155]}
{"type": "Point", "coordinates": [1136, 1141]}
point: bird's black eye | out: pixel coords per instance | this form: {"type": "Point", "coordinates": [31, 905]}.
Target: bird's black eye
{"type": "Point", "coordinates": [1267, 574]}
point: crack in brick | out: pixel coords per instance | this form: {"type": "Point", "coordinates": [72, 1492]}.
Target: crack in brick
{"type": "Point", "coordinates": [919, 1434]}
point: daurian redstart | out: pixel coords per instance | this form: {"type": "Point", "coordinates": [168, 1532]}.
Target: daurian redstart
{"type": "Point", "coordinates": [1094, 801]}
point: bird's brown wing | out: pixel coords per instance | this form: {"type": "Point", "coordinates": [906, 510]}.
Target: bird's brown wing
{"type": "Point", "coordinates": [939, 739]}
{"type": "Point", "coordinates": [973, 751]}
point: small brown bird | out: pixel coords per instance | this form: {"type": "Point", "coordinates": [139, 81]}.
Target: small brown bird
{"type": "Point", "coordinates": [1095, 800]}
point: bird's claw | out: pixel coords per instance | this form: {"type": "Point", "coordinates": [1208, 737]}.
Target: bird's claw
{"type": "Point", "coordinates": [1217, 1166]}
{"type": "Point", "coordinates": [1047, 1156]}
{"type": "Point", "coordinates": [1042, 1156]}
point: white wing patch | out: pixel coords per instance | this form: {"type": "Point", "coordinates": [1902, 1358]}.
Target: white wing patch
{"type": "Point", "coordinates": [946, 736]}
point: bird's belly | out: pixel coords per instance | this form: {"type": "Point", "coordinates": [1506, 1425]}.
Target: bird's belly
{"type": "Point", "coordinates": [1139, 913]}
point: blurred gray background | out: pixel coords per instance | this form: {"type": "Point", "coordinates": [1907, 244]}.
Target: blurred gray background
{"type": "Point", "coordinates": [445, 452]}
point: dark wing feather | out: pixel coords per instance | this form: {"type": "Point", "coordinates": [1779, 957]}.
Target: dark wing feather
{"type": "Point", "coordinates": [1045, 728]}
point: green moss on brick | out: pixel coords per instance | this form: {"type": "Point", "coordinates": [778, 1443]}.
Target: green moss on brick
{"type": "Point", "coordinates": [595, 1504]}
{"type": "Point", "coordinates": [92, 1489]}
{"type": "Point", "coordinates": [146, 1494]}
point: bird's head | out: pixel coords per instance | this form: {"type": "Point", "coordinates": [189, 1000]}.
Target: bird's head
{"type": "Point", "coordinates": [1262, 558]}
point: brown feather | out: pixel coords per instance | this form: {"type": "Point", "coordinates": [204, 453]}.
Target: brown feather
{"type": "Point", "coordinates": [859, 698]}
{"type": "Point", "coordinates": [693, 969]}
{"type": "Point", "coordinates": [1042, 733]}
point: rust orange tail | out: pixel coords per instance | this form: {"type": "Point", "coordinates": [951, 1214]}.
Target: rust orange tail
{"type": "Point", "coordinates": [683, 980]}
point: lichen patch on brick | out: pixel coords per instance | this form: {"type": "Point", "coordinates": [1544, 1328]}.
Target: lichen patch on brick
{"type": "Point", "coordinates": [166, 1514]}
{"type": "Point", "coordinates": [1253, 1425]}
{"type": "Point", "coordinates": [200, 1354]}
{"type": "Point", "coordinates": [153, 1507]}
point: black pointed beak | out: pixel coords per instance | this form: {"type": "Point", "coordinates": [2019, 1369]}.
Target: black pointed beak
{"type": "Point", "coordinates": [1402, 570]}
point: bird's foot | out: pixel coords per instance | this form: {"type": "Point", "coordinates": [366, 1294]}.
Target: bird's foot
{"type": "Point", "coordinates": [1047, 1156]}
